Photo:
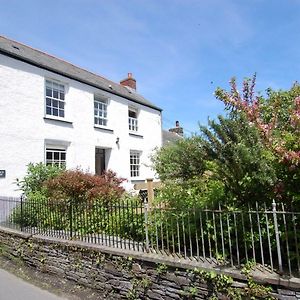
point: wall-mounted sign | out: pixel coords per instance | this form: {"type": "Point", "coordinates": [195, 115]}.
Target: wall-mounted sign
{"type": "Point", "coordinates": [2, 173]}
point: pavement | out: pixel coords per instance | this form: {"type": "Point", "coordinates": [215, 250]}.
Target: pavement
{"type": "Point", "coordinates": [14, 288]}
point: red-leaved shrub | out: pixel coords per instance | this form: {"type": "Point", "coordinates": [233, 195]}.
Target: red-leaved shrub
{"type": "Point", "coordinates": [80, 187]}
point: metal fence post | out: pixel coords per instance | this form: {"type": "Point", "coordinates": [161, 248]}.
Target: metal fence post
{"type": "Point", "coordinates": [146, 224]}
{"type": "Point", "coordinates": [21, 221]}
{"type": "Point", "coordinates": [71, 218]}
{"type": "Point", "coordinates": [277, 236]}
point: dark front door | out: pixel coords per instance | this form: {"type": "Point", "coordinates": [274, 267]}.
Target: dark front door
{"type": "Point", "coordinates": [99, 161]}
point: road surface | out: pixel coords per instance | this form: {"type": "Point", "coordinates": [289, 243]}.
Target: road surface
{"type": "Point", "coordinates": [14, 288]}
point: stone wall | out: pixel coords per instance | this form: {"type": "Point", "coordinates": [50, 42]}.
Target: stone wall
{"type": "Point", "coordinates": [124, 274]}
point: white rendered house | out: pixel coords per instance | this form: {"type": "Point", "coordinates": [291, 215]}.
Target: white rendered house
{"type": "Point", "coordinates": [54, 112]}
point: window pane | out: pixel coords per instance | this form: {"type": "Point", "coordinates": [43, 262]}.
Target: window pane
{"type": "Point", "coordinates": [61, 113]}
{"type": "Point", "coordinates": [55, 112]}
{"type": "Point", "coordinates": [48, 101]}
{"type": "Point", "coordinates": [48, 92]}
{"type": "Point", "coordinates": [55, 94]}
{"type": "Point", "coordinates": [132, 114]}
{"type": "Point", "coordinates": [62, 96]}
{"type": "Point", "coordinates": [56, 155]}
{"type": "Point", "coordinates": [55, 103]}
{"type": "Point", "coordinates": [48, 155]}
{"type": "Point", "coordinates": [48, 110]}
{"type": "Point", "coordinates": [63, 156]}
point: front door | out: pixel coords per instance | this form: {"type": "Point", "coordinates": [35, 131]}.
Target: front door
{"type": "Point", "coordinates": [99, 161]}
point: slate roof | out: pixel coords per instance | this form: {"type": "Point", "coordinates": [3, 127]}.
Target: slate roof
{"type": "Point", "coordinates": [45, 61]}
{"type": "Point", "coordinates": [169, 137]}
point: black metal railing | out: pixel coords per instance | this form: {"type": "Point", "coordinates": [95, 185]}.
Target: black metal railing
{"type": "Point", "coordinates": [269, 237]}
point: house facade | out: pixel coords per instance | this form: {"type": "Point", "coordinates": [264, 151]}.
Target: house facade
{"type": "Point", "coordinates": [54, 112]}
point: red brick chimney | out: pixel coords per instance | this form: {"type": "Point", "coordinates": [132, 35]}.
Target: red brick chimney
{"type": "Point", "coordinates": [129, 81]}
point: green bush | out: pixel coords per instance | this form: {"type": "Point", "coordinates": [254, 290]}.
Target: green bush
{"type": "Point", "coordinates": [79, 202]}
{"type": "Point", "coordinates": [35, 177]}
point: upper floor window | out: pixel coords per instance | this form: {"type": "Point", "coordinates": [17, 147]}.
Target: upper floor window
{"type": "Point", "coordinates": [132, 119]}
{"type": "Point", "coordinates": [55, 99]}
{"type": "Point", "coordinates": [100, 111]}
{"type": "Point", "coordinates": [56, 157]}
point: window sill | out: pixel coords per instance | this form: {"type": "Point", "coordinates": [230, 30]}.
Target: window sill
{"type": "Point", "coordinates": [136, 135]}
{"type": "Point", "coordinates": [134, 180]}
{"type": "Point", "coordinates": [58, 120]}
{"type": "Point", "coordinates": [103, 129]}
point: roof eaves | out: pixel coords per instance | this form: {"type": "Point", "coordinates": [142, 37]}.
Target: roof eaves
{"type": "Point", "coordinates": [74, 77]}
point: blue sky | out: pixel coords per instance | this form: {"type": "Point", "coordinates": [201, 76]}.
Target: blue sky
{"type": "Point", "coordinates": [178, 50]}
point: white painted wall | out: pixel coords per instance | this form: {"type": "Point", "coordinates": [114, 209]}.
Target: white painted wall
{"type": "Point", "coordinates": [24, 131]}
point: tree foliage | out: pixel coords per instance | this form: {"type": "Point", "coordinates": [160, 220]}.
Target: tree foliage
{"type": "Point", "coordinates": [183, 159]}
{"type": "Point", "coordinates": [276, 117]}
{"type": "Point", "coordinates": [243, 164]}
{"type": "Point", "coordinates": [254, 150]}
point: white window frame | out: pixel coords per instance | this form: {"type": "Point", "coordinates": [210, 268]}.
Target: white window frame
{"type": "Point", "coordinates": [58, 156]}
{"type": "Point", "coordinates": [55, 93]}
{"type": "Point", "coordinates": [133, 121]}
{"type": "Point", "coordinates": [100, 112]}
{"type": "Point", "coordinates": [135, 163]}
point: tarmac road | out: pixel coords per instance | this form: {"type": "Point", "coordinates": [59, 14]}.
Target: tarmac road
{"type": "Point", "coordinates": [14, 288]}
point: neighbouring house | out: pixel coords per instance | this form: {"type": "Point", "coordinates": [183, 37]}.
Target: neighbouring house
{"type": "Point", "coordinates": [172, 135]}
{"type": "Point", "coordinates": [54, 112]}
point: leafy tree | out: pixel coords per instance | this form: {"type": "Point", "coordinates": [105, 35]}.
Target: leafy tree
{"type": "Point", "coordinates": [277, 120]}
{"type": "Point", "coordinates": [181, 160]}
{"type": "Point", "coordinates": [277, 116]}
{"type": "Point", "coordinates": [254, 149]}
{"type": "Point", "coordinates": [226, 158]}
{"type": "Point", "coordinates": [244, 165]}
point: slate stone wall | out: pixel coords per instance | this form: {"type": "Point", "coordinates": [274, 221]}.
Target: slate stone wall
{"type": "Point", "coordinates": [117, 273]}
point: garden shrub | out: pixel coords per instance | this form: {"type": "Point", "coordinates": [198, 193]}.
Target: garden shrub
{"type": "Point", "coordinates": [35, 176]}
{"type": "Point", "coordinates": [81, 187]}
{"type": "Point", "coordinates": [78, 201]}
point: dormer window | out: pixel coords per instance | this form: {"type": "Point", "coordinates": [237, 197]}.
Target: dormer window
{"type": "Point", "coordinates": [132, 119]}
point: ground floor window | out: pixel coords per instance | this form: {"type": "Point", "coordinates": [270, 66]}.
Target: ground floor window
{"type": "Point", "coordinates": [134, 163]}
{"type": "Point", "coordinates": [56, 157]}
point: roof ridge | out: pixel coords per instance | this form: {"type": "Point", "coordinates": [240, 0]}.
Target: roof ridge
{"type": "Point", "coordinates": [42, 59]}
{"type": "Point", "coordinates": [61, 59]}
